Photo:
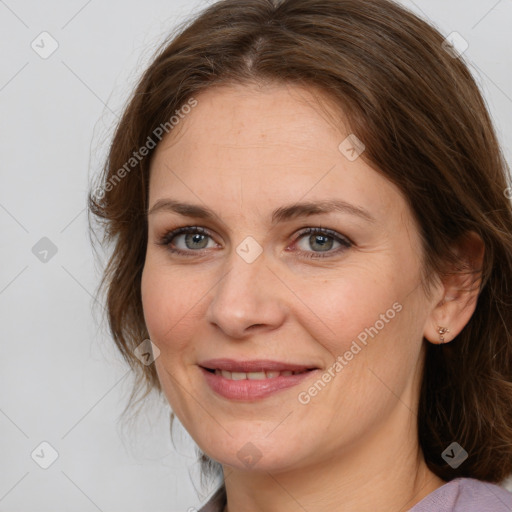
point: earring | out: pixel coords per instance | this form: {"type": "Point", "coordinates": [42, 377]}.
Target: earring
{"type": "Point", "coordinates": [441, 331]}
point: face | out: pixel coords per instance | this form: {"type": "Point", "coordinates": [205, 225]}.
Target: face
{"type": "Point", "coordinates": [258, 278]}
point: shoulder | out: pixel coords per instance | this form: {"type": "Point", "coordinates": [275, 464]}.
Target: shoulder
{"type": "Point", "coordinates": [466, 495]}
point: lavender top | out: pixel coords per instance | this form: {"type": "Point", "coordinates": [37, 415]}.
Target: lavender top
{"type": "Point", "coordinates": [458, 495]}
{"type": "Point", "coordinates": [466, 495]}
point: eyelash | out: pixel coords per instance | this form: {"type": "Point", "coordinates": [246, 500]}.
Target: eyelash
{"type": "Point", "coordinates": [167, 238]}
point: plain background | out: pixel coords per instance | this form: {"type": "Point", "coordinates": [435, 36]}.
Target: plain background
{"type": "Point", "coordinates": [61, 380]}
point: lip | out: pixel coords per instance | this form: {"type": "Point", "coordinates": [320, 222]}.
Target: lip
{"type": "Point", "coordinates": [254, 365]}
{"type": "Point", "coordinates": [251, 390]}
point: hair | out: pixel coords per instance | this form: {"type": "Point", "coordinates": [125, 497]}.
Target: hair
{"type": "Point", "coordinates": [426, 128]}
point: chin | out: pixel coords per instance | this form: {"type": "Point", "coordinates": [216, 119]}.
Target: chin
{"type": "Point", "coordinates": [253, 454]}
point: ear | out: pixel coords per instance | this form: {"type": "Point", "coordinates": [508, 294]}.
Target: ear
{"type": "Point", "coordinates": [458, 291]}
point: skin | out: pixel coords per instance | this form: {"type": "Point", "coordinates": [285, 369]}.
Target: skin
{"type": "Point", "coordinates": [244, 151]}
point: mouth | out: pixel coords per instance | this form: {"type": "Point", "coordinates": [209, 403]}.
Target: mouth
{"type": "Point", "coordinates": [268, 374]}
{"type": "Point", "coordinates": [251, 380]}
{"type": "Point", "coordinates": [255, 369]}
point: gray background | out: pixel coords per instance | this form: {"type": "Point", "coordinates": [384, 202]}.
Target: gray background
{"type": "Point", "coordinates": [61, 380]}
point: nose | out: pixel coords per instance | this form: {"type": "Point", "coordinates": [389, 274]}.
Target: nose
{"type": "Point", "coordinates": [248, 297]}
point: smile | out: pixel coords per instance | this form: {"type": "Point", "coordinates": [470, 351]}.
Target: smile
{"type": "Point", "coordinates": [271, 374]}
{"type": "Point", "coordinates": [252, 386]}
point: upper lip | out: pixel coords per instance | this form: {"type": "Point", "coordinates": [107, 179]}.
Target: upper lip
{"type": "Point", "coordinates": [254, 365]}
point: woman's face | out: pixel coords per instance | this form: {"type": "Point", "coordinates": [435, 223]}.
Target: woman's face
{"type": "Point", "coordinates": [253, 284]}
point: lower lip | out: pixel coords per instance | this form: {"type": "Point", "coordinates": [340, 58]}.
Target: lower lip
{"type": "Point", "coordinates": [252, 389]}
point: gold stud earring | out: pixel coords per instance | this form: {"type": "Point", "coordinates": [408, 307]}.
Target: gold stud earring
{"type": "Point", "coordinates": [441, 331]}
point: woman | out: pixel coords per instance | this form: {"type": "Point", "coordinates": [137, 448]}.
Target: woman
{"type": "Point", "coordinates": [309, 216]}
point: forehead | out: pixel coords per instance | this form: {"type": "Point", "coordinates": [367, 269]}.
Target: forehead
{"type": "Point", "coordinates": [253, 117]}
{"type": "Point", "coordinates": [263, 144]}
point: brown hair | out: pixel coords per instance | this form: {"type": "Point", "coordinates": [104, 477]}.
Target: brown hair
{"type": "Point", "coordinates": [426, 128]}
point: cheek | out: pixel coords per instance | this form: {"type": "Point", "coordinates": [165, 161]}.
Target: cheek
{"type": "Point", "coordinates": [172, 305]}
{"type": "Point", "coordinates": [153, 298]}
{"type": "Point", "coordinates": [161, 303]}
{"type": "Point", "coordinates": [168, 300]}
{"type": "Point", "coordinates": [368, 322]}
{"type": "Point", "coordinates": [344, 306]}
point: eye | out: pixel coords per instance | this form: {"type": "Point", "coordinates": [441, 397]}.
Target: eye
{"type": "Point", "coordinates": [192, 238]}
{"type": "Point", "coordinates": [321, 240]}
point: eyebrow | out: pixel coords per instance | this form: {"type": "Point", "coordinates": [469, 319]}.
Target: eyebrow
{"type": "Point", "coordinates": [281, 214]}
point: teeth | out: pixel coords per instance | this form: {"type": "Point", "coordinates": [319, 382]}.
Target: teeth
{"type": "Point", "coordinates": [255, 375]}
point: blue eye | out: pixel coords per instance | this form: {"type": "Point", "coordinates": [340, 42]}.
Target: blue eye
{"type": "Point", "coordinates": [197, 239]}
{"type": "Point", "coordinates": [194, 238]}
{"type": "Point", "coordinates": [322, 240]}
